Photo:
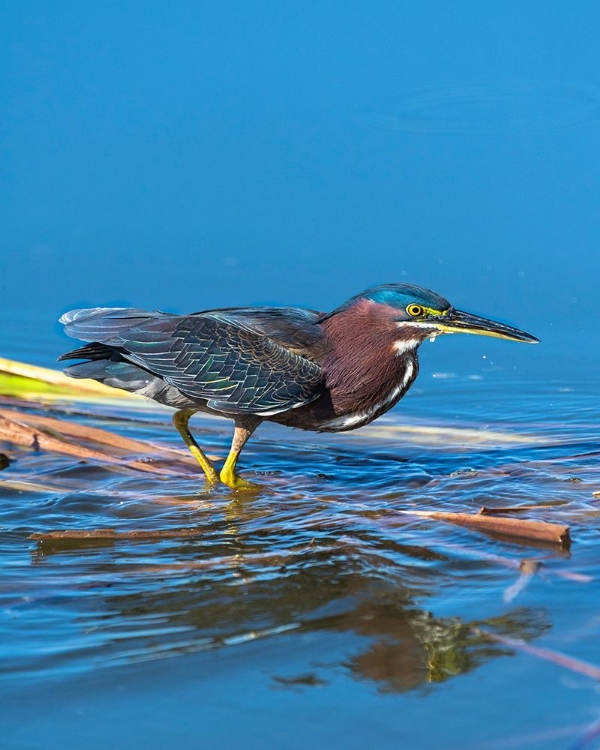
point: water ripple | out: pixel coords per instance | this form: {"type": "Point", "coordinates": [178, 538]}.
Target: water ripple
{"type": "Point", "coordinates": [490, 107]}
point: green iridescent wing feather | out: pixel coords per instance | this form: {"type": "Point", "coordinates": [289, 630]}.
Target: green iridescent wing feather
{"type": "Point", "coordinates": [216, 357]}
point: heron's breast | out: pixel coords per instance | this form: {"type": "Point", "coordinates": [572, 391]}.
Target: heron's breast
{"type": "Point", "coordinates": [358, 408]}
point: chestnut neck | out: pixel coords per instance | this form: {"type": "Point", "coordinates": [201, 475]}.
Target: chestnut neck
{"type": "Point", "coordinates": [363, 363]}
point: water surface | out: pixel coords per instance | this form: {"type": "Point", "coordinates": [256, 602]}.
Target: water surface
{"type": "Point", "coordinates": [314, 610]}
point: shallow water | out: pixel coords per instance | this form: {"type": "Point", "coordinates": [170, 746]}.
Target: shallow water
{"type": "Point", "coordinates": [314, 612]}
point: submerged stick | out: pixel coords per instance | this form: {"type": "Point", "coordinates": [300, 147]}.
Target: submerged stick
{"type": "Point", "coordinates": [110, 534]}
{"type": "Point", "coordinates": [525, 565]}
{"type": "Point", "coordinates": [547, 654]}
{"type": "Point", "coordinates": [540, 531]}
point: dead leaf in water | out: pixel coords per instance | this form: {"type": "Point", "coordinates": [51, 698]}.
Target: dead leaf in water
{"type": "Point", "coordinates": [73, 439]}
{"type": "Point", "coordinates": [540, 531]}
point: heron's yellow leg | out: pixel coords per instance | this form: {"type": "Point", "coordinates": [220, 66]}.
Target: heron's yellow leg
{"type": "Point", "coordinates": [180, 420]}
{"type": "Point", "coordinates": [228, 474]}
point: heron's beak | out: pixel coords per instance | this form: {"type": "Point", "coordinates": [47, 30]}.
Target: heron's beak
{"type": "Point", "coordinates": [455, 321]}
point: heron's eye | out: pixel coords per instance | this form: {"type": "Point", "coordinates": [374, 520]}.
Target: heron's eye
{"type": "Point", "coordinates": [415, 310]}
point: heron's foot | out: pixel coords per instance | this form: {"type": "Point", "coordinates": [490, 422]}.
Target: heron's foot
{"type": "Point", "coordinates": [180, 420]}
{"type": "Point", "coordinates": [209, 470]}
{"type": "Point", "coordinates": [236, 482]}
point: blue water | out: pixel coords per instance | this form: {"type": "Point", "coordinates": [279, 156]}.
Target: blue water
{"type": "Point", "coordinates": [314, 612]}
{"type": "Point", "coordinates": [196, 155]}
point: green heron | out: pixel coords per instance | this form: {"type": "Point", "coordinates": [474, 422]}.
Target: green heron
{"type": "Point", "coordinates": [326, 372]}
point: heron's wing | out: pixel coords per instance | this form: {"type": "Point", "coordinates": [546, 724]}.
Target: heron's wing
{"type": "Point", "coordinates": [208, 356]}
{"type": "Point", "coordinates": [100, 324]}
{"type": "Point", "coordinates": [292, 327]}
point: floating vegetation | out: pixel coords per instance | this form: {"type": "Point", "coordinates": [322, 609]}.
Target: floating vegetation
{"type": "Point", "coordinates": [21, 380]}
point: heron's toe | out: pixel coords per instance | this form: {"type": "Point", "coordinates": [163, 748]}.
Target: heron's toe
{"type": "Point", "coordinates": [236, 482]}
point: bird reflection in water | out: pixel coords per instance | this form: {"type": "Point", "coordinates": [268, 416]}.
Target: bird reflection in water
{"type": "Point", "coordinates": [242, 593]}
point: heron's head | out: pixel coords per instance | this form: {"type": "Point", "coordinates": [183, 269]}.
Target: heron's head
{"type": "Point", "coordinates": [420, 314]}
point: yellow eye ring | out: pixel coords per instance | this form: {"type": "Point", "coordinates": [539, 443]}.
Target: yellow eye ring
{"type": "Point", "coordinates": [415, 310]}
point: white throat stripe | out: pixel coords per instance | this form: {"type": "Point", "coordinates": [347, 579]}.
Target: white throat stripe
{"type": "Point", "coordinates": [408, 345]}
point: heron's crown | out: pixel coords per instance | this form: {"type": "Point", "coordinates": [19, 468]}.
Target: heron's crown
{"type": "Point", "coordinates": [401, 295]}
